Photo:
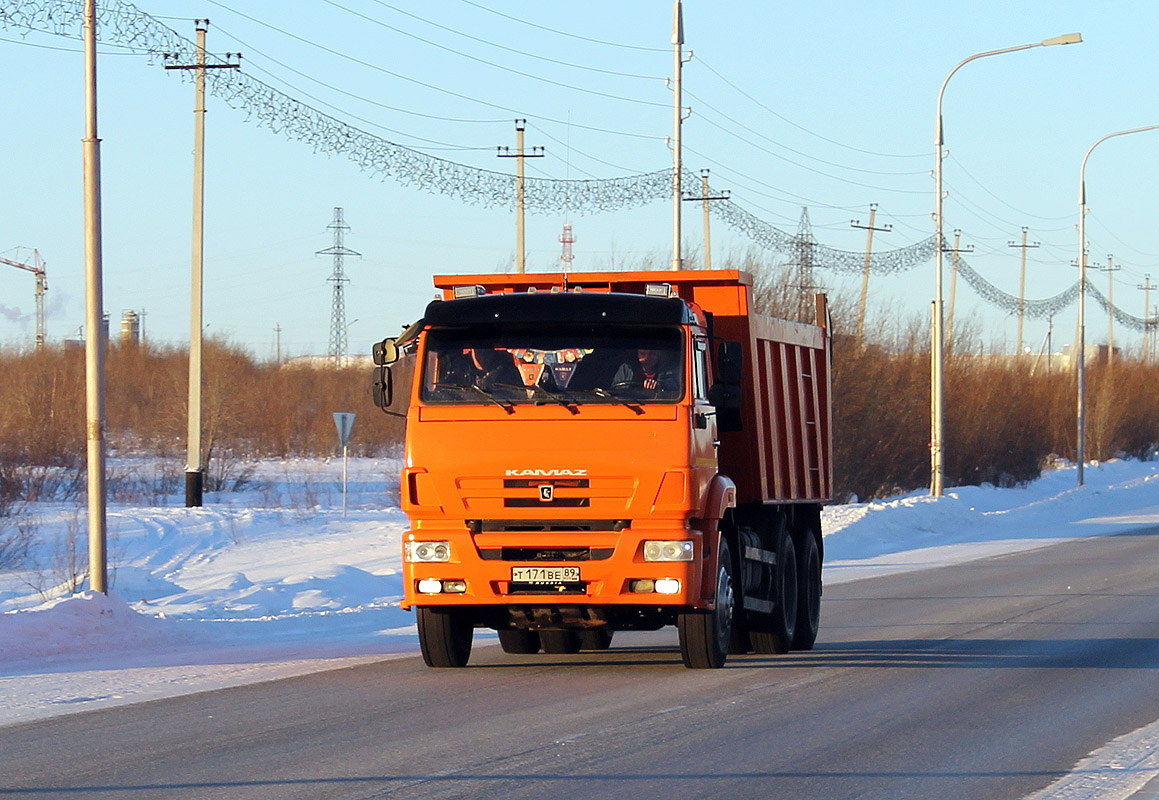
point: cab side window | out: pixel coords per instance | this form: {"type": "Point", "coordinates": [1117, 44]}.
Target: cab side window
{"type": "Point", "coordinates": [700, 369]}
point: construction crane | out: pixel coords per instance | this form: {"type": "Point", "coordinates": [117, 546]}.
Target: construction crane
{"type": "Point", "coordinates": [36, 268]}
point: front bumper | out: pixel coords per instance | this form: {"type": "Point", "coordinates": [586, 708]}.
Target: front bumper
{"type": "Point", "coordinates": [488, 566]}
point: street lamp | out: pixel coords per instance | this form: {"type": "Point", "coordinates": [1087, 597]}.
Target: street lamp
{"type": "Point", "coordinates": [1080, 448]}
{"type": "Point", "coordinates": [937, 377]}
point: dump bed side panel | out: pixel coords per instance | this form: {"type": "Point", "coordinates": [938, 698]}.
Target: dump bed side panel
{"type": "Point", "coordinates": [784, 452]}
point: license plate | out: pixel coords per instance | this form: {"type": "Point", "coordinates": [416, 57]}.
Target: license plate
{"type": "Point", "coordinates": [545, 574]}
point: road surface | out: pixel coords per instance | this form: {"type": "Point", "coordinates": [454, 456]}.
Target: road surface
{"type": "Point", "coordinates": [984, 680]}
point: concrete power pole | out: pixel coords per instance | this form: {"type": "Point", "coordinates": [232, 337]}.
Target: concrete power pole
{"type": "Point", "coordinates": [677, 122]}
{"type": "Point", "coordinates": [954, 286]}
{"type": "Point", "coordinates": [870, 228]}
{"type": "Point", "coordinates": [1146, 286]}
{"type": "Point", "coordinates": [706, 198]}
{"type": "Point", "coordinates": [1022, 283]}
{"type": "Point", "coordinates": [94, 302]}
{"type": "Point", "coordinates": [519, 155]}
{"type": "Point", "coordinates": [194, 463]}
{"type": "Point", "coordinates": [1111, 269]}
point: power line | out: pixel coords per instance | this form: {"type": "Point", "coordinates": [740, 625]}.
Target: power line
{"type": "Point", "coordinates": [521, 73]}
{"type": "Point", "coordinates": [788, 121]}
{"type": "Point", "coordinates": [493, 44]}
{"type": "Point", "coordinates": [564, 33]}
{"type": "Point", "coordinates": [772, 141]}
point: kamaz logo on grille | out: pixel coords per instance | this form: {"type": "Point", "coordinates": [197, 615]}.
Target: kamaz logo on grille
{"type": "Point", "coordinates": [546, 473]}
{"type": "Point", "coordinates": [547, 493]}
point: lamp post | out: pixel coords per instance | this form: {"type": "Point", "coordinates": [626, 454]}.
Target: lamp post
{"type": "Point", "coordinates": [1080, 345]}
{"type": "Point", "coordinates": [937, 358]}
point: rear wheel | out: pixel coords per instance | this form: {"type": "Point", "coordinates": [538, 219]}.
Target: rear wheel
{"type": "Point", "coordinates": [773, 633]}
{"type": "Point", "coordinates": [596, 639]}
{"type": "Point", "coordinates": [705, 635]}
{"type": "Point", "coordinates": [809, 595]}
{"type": "Point", "coordinates": [519, 642]}
{"type": "Point", "coordinates": [444, 636]}
{"type": "Point", "coordinates": [560, 642]}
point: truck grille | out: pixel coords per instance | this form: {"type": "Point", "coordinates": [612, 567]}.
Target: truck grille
{"type": "Point", "coordinates": [546, 553]}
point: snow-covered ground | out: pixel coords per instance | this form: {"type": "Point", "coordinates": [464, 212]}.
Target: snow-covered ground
{"type": "Point", "coordinates": [273, 581]}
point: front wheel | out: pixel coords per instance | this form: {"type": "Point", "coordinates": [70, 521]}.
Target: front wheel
{"type": "Point", "coordinates": [705, 635]}
{"type": "Point", "coordinates": [444, 636]}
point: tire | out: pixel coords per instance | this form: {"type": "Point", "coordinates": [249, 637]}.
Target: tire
{"type": "Point", "coordinates": [519, 642]}
{"type": "Point", "coordinates": [564, 642]}
{"type": "Point", "coordinates": [739, 642]}
{"type": "Point", "coordinates": [596, 639]}
{"type": "Point", "coordinates": [705, 635]}
{"type": "Point", "coordinates": [773, 634]}
{"type": "Point", "coordinates": [808, 594]}
{"type": "Point", "coordinates": [444, 637]}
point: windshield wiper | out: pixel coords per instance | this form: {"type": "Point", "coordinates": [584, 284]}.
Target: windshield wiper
{"type": "Point", "coordinates": [470, 387]}
{"type": "Point", "coordinates": [598, 392]}
{"type": "Point", "coordinates": [569, 405]}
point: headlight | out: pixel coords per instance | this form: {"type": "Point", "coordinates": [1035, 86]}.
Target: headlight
{"type": "Point", "coordinates": [427, 551]}
{"type": "Point", "coordinates": [667, 551]}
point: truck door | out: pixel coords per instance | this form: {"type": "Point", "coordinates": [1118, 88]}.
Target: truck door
{"type": "Point", "coordinates": [704, 428]}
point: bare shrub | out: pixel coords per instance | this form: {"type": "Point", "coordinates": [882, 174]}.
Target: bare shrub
{"type": "Point", "coordinates": [17, 532]}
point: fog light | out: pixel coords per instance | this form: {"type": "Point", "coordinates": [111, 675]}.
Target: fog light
{"type": "Point", "coordinates": [454, 587]}
{"type": "Point", "coordinates": [643, 586]}
{"type": "Point", "coordinates": [668, 551]}
{"type": "Point", "coordinates": [429, 552]}
{"type": "Point", "coordinates": [667, 586]}
{"type": "Point", "coordinates": [430, 586]}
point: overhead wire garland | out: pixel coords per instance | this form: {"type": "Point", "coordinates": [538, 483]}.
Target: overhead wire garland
{"type": "Point", "coordinates": [122, 24]}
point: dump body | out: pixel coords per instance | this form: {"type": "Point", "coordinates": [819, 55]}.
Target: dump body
{"type": "Point", "coordinates": [567, 470]}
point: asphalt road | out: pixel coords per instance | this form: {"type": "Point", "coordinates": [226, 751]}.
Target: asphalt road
{"type": "Point", "coordinates": [985, 680]}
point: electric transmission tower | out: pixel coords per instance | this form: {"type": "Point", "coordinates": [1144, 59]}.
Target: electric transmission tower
{"type": "Point", "coordinates": [803, 280]}
{"type": "Point", "coordinates": [338, 351]}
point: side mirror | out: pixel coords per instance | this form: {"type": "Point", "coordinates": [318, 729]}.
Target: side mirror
{"type": "Point", "coordinates": [384, 352]}
{"type": "Point", "coordinates": [726, 398]}
{"type": "Point", "coordinates": [383, 387]}
{"type": "Point", "coordinates": [729, 362]}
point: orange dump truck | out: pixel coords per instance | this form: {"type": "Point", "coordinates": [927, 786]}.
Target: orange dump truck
{"type": "Point", "coordinates": [609, 451]}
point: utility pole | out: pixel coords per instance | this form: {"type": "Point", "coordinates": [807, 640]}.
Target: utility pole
{"type": "Point", "coordinates": [519, 155]}
{"type": "Point", "coordinates": [1022, 282]}
{"type": "Point", "coordinates": [954, 286]}
{"type": "Point", "coordinates": [278, 343]}
{"type": "Point", "coordinates": [870, 228]}
{"type": "Point", "coordinates": [1147, 286]}
{"type": "Point", "coordinates": [706, 198]}
{"type": "Point", "coordinates": [677, 123]}
{"type": "Point", "coordinates": [194, 466]}
{"type": "Point", "coordinates": [94, 303]}
{"type": "Point", "coordinates": [338, 326]}
{"type": "Point", "coordinates": [1110, 269]}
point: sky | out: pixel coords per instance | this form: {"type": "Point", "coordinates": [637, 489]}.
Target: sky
{"type": "Point", "coordinates": [829, 106]}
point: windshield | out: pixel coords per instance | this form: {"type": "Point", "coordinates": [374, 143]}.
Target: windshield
{"type": "Point", "coordinates": [568, 365]}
